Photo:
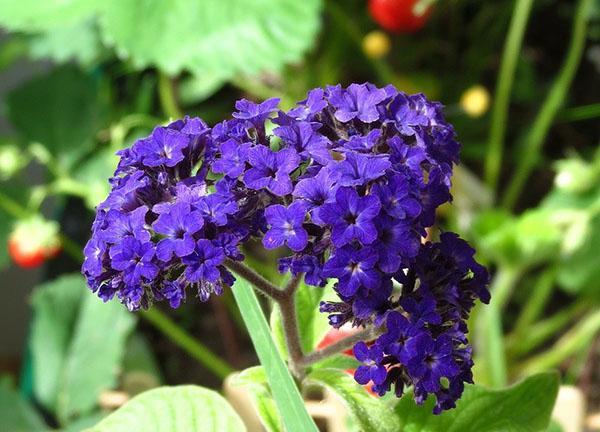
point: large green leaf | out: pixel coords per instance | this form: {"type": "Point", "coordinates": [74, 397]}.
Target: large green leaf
{"type": "Point", "coordinates": [219, 38]}
{"type": "Point", "coordinates": [55, 306]}
{"type": "Point", "coordinates": [62, 110]}
{"type": "Point", "coordinates": [286, 394]}
{"type": "Point", "coordinates": [77, 345]}
{"type": "Point", "coordinates": [524, 407]}
{"type": "Point", "coordinates": [578, 269]}
{"type": "Point", "coordinates": [16, 415]}
{"type": "Point", "coordinates": [254, 379]}
{"type": "Point", "coordinates": [174, 409]}
{"type": "Point", "coordinates": [370, 413]}
{"type": "Point", "coordinates": [79, 41]}
{"type": "Point", "coordinates": [36, 15]}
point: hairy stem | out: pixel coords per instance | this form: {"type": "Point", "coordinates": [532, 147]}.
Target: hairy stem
{"type": "Point", "coordinates": [287, 305]}
{"type": "Point", "coordinates": [258, 282]}
{"type": "Point", "coordinates": [341, 345]}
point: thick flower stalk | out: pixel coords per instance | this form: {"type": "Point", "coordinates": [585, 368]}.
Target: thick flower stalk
{"type": "Point", "coordinates": [347, 182]}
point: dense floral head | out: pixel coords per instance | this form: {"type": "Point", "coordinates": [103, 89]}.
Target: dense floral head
{"type": "Point", "coordinates": [347, 182]}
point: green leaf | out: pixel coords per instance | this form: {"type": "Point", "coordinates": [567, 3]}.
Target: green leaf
{"type": "Point", "coordinates": [93, 174]}
{"type": "Point", "coordinates": [370, 413]}
{"type": "Point", "coordinates": [198, 88]}
{"type": "Point", "coordinates": [16, 415]}
{"type": "Point", "coordinates": [36, 15]}
{"type": "Point", "coordinates": [524, 407]}
{"type": "Point", "coordinates": [61, 110]}
{"type": "Point", "coordinates": [173, 409]}
{"type": "Point", "coordinates": [529, 239]}
{"type": "Point", "coordinates": [255, 381]}
{"type": "Point", "coordinates": [55, 308]}
{"type": "Point", "coordinates": [338, 361]}
{"type": "Point", "coordinates": [79, 41]}
{"type": "Point", "coordinates": [77, 345]}
{"type": "Point", "coordinates": [578, 270]}
{"type": "Point", "coordinates": [286, 394]}
{"type": "Point", "coordinates": [218, 38]}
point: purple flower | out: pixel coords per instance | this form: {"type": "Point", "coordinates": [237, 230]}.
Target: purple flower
{"type": "Point", "coordinates": [215, 208]}
{"type": "Point", "coordinates": [313, 104]}
{"type": "Point", "coordinates": [351, 217]}
{"type": "Point", "coordinates": [364, 143]}
{"type": "Point", "coordinates": [372, 369]}
{"type": "Point", "coordinates": [232, 161]}
{"type": "Point", "coordinates": [253, 112]}
{"type": "Point", "coordinates": [423, 311]}
{"type": "Point", "coordinates": [306, 141]}
{"type": "Point", "coordinates": [271, 170]}
{"type": "Point", "coordinates": [164, 147]}
{"type": "Point", "coordinates": [353, 269]}
{"type": "Point", "coordinates": [134, 259]}
{"type": "Point", "coordinates": [286, 227]}
{"type": "Point", "coordinates": [173, 291]}
{"type": "Point", "coordinates": [396, 240]}
{"type": "Point", "coordinates": [94, 254]}
{"type": "Point", "coordinates": [357, 101]}
{"type": "Point", "coordinates": [430, 360]}
{"type": "Point", "coordinates": [178, 227]}
{"type": "Point", "coordinates": [396, 198]}
{"type": "Point", "coordinates": [316, 191]}
{"type": "Point", "coordinates": [202, 264]}
{"type": "Point", "coordinates": [358, 169]}
{"type": "Point", "coordinates": [120, 225]}
{"type": "Point", "coordinates": [399, 331]}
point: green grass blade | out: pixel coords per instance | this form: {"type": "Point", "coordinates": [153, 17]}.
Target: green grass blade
{"type": "Point", "coordinates": [287, 397]}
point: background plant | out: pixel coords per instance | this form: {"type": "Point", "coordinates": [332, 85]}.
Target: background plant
{"type": "Point", "coordinates": [541, 247]}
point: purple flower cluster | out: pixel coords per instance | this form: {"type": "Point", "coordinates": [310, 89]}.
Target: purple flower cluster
{"type": "Point", "coordinates": [348, 181]}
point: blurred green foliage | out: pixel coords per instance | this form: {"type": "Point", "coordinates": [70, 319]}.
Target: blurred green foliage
{"type": "Point", "coordinates": [118, 68]}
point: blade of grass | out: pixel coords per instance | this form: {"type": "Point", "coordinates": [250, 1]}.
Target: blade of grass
{"type": "Point", "coordinates": [536, 135]}
{"type": "Point", "coordinates": [512, 48]}
{"type": "Point", "coordinates": [285, 392]}
{"type": "Point", "coordinates": [193, 347]}
{"type": "Point", "coordinates": [576, 339]}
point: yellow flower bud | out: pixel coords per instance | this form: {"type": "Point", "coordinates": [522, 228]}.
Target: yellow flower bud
{"type": "Point", "coordinates": [376, 44]}
{"type": "Point", "coordinates": [475, 101]}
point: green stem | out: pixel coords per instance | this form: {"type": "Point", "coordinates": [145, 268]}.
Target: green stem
{"type": "Point", "coordinates": [512, 48]}
{"type": "Point", "coordinates": [576, 339]}
{"type": "Point", "coordinates": [71, 248]}
{"type": "Point", "coordinates": [536, 302]}
{"type": "Point", "coordinates": [492, 342]}
{"type": "Point", "coordinates": [539, 333]}
{"type": "Point", "coordinates": [182, 339]}
{"type": "Point", "coordinates": [166, 94]}
{"type": "Point", "coordinates": [536, 135]}
{"type": "Point", "coordinates": [504, 284]}
{"type": "Point", "coordinates": [12, 207]}
{"type": "Point", "coordinates": [584, 112]}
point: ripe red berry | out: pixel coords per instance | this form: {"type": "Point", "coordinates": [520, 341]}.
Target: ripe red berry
{"type": "Point", "coordinates": [398, 16]}
{"type": "Point", "coordinates": [23, 256]}
{"type": "Point", "coordinates": [33, 241]}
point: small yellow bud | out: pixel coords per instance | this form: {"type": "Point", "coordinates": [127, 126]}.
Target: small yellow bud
{"type": "Point", "coordinates": [376, 44]}
{"type": "Point", "coordinates": [475, 101]}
